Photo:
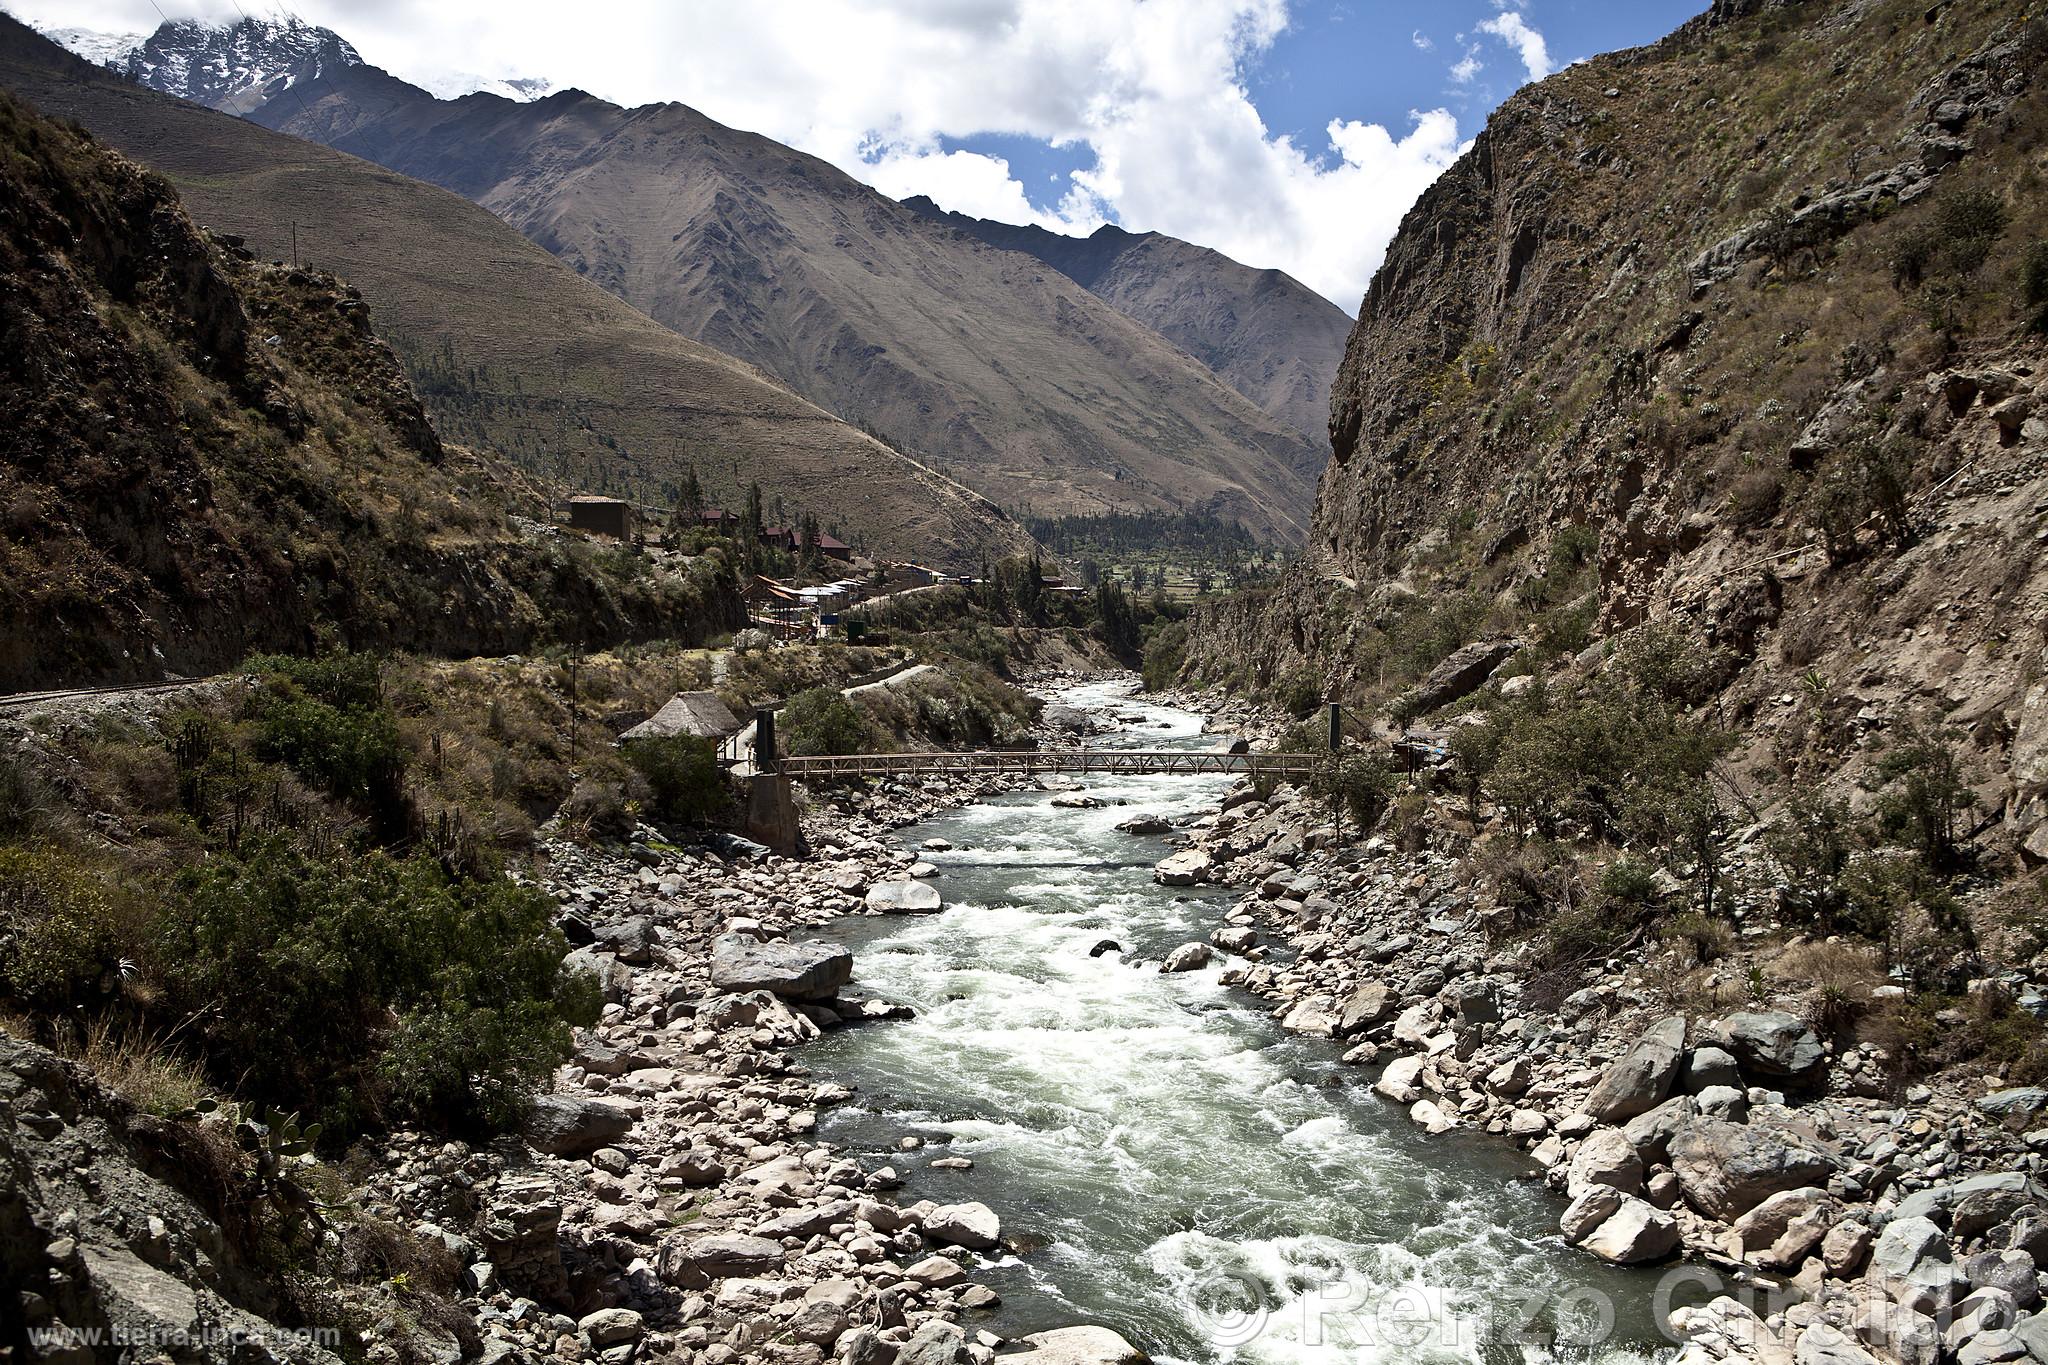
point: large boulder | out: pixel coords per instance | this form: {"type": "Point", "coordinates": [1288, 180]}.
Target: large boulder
{"type": "Point", "coordinates": [1314, 1015]}
{"type": "Point", "coordinates": [935, 1342]}
{"type": "Point", "coordinates": [905, 898]}
{"type": "Point", "coordinates": [574, 1125]}
{"type": "Point", "coordinates": [1366, 1006]}
{"type": "Point", "coordinates": [1784, 1229]}
{"type": "Point", "coordinates": [1771, 1043]}
{"type": "Point", "coordinates": [1638, 1080]}
{"type": "Point", "coordinates": [795, 971]}
{"type": "Point", "coordinates": [1188, 957]}
{"type": "Point", "coordinates": [1605, 1157]}
{"type": "Point", "coordinates": [1913, 1265]}
{"type": "Point", "coordinates": [974, 1226]}
{"type": "Point", "coordinates": [1727, 1169]}
{"type": "Point", "coordinates": [1940, 1202]}
{"type": "Point", "coordinates": [691, 1262]}
{"type": "Point", "coordinates": [1638, 1231]}
{"type": "Point", "coordinates": [1076, 1346]}
{"type": "Point", "coordinates": [1184, 868]}
{"type": "Point", "coordinates": [1462, 672]}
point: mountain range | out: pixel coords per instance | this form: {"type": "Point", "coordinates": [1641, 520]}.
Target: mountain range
{"type": "Point", "coordinates": [511, 351]}
{"type": "Point", "coordinates": [1050, 374]}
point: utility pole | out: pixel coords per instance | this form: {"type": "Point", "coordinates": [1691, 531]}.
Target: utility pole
{"type": "Point", "coordinates": [295, 244]}
{"type": "Point", "coordinates": [572, 710]}
{"type": "Point", "coordinates": [1337, 770]}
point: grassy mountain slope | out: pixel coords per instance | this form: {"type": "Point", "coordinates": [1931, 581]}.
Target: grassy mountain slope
{"type": "Point", "coordinates": [203, 456]}
{"type": "Point", "coordinates": [1013, 378]}
{"type": "Point", "coordinates": [510, 350]}
{"type": "Point", "coordinates": [1263, 332]}
{"type": "Point", "coordinates": [1691, 336]}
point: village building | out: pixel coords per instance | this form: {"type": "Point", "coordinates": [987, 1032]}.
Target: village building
{"type": "Point", "coordinates": [700, 715]}
{"type": "Point", "coordinates": [602, 516]}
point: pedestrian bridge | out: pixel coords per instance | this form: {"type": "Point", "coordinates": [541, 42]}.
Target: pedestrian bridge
{"type": "Point", "coordinates": [1132, 762]}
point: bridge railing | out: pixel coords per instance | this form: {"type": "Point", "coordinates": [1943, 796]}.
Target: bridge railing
{"type": "Point", "coordinates": [1027, 761]}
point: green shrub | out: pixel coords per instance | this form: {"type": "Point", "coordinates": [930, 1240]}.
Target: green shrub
{"type": "Point", "coordinates": [326, 720]}
{"type": "Point", "coordinates": [1299, 693]}
{"type": "Point", "coordinates": [1811, 848]}
{"type": "Point", "coordinates": [362, 988]}
{"type": "Point", "coordinates": [2034, 286]}
{"type": "Point", "coordinates": [821, 721]}
{"type": "Point", "coordinates": [1925, 794]}
{"type": "Point", "coordinates": [27, 805]}
{"type": "Point", "coordinates": [1364, 783]}
{"type": "Point", "coordinates": [1165, 651]}
{"type": "Point", "coordinates": [63, 929]}
{"type": "Point", "coordinates": [683, 778]}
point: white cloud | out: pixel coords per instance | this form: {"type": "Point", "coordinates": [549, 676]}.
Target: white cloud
{"type": "Point", "coordinates": [1467, 66]}
{"type": "Point", "coordinates": [1150, 98]}
{"type": "Point", "coordinates": [1511, 28]}
{"type": "Point", "coordinates": [1423, 42]}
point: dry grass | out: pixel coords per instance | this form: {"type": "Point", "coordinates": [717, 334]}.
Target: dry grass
{"type": "Point", "coordinates": [141, 1067]}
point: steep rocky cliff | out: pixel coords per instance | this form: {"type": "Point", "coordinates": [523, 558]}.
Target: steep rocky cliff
{"type": "Point", "coordinates": [1741, 331]}
{"type": "Point", "coordinates": [202, 456]}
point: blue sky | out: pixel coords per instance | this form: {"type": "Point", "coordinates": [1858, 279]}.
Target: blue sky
{"type": "Point", "coordinates": [1374, 61]}
{"type": "Point", "coordinates": [1286, 133]}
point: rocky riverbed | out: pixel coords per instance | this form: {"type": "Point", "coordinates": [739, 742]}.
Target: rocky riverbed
{"type": "Point", "coordinates": [673, 1198]}
{"type": "Point", "coordinates": [1845, 1223]}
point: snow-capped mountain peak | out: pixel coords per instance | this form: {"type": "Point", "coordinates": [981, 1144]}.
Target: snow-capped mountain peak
{"type": "Point", "coordinates": [101, 49]}
{"type": "Point", "coordinates": [240, 67]}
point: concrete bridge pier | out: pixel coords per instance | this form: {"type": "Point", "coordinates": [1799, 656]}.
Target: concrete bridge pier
{"type": "Point", "coordinates": [771, 813]}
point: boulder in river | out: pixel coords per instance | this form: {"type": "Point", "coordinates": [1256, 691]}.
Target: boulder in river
{"type": "Point", "coordinates": [974, 1226]}
{"type": "Point", "coordinates": [1186, 958]}
{"type": "Point", "coordinates": [1638, 1231]}
{"type": "Point", "coordinates": [1076, 1346]}
{"type": "Point", "coordinates": [905, 898]}
{"type": "Point", "coordinates": [1184, 868]}
{"type": "Point", "coordinates": [1235, 938]}
{"type": "Point", "coordinates": [1144, 824]}
{"type": "Point", "coordinates": [795, 971]}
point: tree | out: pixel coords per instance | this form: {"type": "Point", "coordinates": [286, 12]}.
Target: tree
{"type": "Point", "coordinates": [821, 721]}
{"type": "Point", "coordinates": [751, 526]}
{"type": "Point", "coordinates": [1118, 622]}
{"type": "Point", "coordinates": [689, 500]}
{"type": "Point", "coordinates": [808, 559]}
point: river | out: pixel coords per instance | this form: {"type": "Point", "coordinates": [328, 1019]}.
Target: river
{"type": "Point", "coordinates": [1184, 1170]}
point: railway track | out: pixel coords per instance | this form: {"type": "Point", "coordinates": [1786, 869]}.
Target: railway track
{"type": "Point", "coordinates": [25, 700]}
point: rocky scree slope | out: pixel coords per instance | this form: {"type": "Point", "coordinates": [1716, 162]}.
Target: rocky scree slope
{"type": "Point", "coordinates": [1772, 344]}
{"type": "Point", "coordinates": [1263, 332]}
{"type": "Point", "coordinates": [204, 456]}
{"type": "Point", "coordinates": [509, 351]}
{"type": "Point", "coordinates": [1012, 378]}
